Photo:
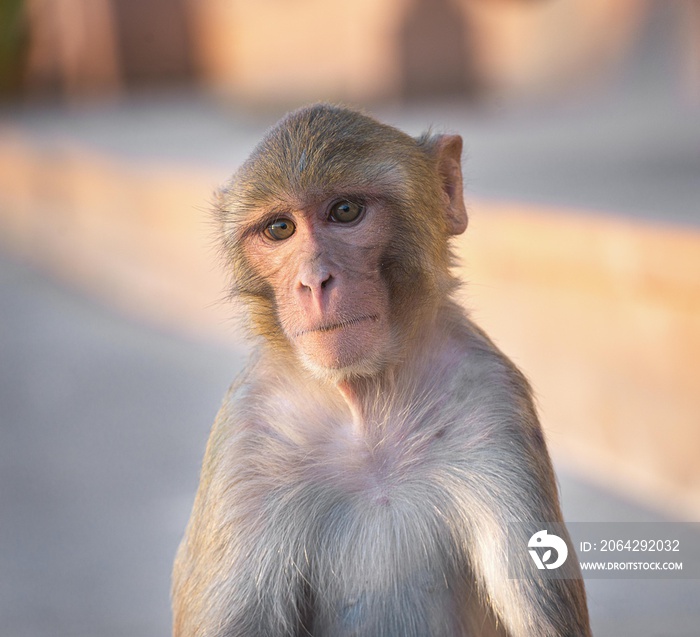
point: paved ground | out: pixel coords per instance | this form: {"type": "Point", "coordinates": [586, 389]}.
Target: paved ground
{"type": "Point", "coordinates": [102, 427]}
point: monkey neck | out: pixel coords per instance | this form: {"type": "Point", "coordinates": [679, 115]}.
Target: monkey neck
{"type": "Point", "coordinates": [428, 361]}
{"type": "Point", "coordinates": [364, 397]}
{"type": "Point", "coordinates": [353, 396]}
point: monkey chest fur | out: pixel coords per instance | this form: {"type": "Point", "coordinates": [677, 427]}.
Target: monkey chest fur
{"type": "Point", "coordinates": [368, 524]}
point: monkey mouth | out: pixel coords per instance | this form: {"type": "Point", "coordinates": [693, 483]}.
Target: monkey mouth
{"type": "Point", "coordinates": [340, 325]}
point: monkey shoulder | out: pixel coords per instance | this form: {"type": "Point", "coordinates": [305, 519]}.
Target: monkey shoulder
{"type": "Point", "coordinates": [268, 414]}
{"type": "Point", "coordinates": [488, 391]}
{"type": "Point", "coordinates": [480, 365]}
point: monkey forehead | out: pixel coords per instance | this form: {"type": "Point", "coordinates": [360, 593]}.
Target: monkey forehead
{"type": "Point", "coordinates": [322, 150]}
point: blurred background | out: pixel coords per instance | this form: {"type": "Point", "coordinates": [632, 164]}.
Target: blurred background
{"type": "Point", "coordinates": [118, 119]}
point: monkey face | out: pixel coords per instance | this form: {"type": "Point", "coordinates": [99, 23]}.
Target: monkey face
{"type": "Point", "coordinates": [336, 231]}
{"type": "Point", "coordinates": [323, 263]}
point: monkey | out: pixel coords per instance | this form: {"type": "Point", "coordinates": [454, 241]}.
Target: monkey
{"type": "Point", "coordinates": [378, 467]}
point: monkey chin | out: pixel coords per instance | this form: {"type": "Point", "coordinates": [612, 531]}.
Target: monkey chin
{"type": "Point", "coordinates": [345, 354]}
{"type": "Point", "coordinates": [340, 373]}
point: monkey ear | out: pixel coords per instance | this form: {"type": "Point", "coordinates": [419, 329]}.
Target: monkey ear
{"type": "Point", "coordinates": [448, 152]}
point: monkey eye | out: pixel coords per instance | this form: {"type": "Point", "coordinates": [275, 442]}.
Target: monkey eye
{"type": "Point", "coordinates": [345, 211]}
{"type": "Point", "coordinates": [280, 229]}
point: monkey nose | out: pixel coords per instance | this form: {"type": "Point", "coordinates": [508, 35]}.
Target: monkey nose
{"type": "Point", "coordinates": [316, 282]}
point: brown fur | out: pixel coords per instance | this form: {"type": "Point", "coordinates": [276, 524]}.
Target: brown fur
{"type": "Point", "coordinates": [363, 473]}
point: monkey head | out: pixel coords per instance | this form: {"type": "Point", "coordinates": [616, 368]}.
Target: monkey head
{"type": "Point", "coordinates": [336, 232]}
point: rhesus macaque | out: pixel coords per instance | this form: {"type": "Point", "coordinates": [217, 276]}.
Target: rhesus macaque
{"type": "Point", "coordinates": [363, 474]}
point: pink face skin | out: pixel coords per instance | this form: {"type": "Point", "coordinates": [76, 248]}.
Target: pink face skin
{"type": "Point", "coordinates": [323, 262]}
